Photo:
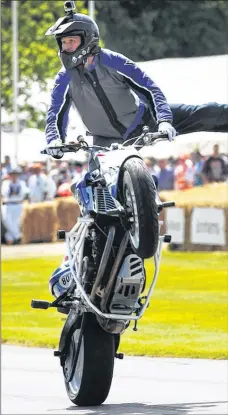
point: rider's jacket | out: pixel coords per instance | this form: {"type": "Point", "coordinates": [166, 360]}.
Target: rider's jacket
{"type": "Point", "coordinates": [113, 96]}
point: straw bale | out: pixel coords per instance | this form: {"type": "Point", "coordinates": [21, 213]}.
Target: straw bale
{"type": "Point", "coordinates": [39, 222]}
{"type": "Point", "coordinates": [68, 211]}
{"type": "Point", "coordinates": [210, 195]}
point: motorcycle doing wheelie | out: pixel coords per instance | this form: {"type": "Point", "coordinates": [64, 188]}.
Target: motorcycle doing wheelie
{"type": "Point", "coordinates": [118, 229]}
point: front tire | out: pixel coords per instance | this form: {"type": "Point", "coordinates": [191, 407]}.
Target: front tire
{"type": "Point", "coordinates": [138, 196]}
{"type": "Point", "coordinates": [93, 373]}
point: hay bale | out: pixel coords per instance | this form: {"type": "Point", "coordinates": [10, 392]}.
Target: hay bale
{"type": "Point", "coordinates": [39, 222]}
{"type": "Point", "coordinates": [68, 211]}
{"type": "Point", "coordinates": [210, 195]}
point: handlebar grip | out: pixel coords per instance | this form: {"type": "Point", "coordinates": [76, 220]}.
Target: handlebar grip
{"type": "Point", "coordinates": [168, 204]}
{"type": "Point", "coordinates": [40, 304]}
{"type": "Point", "coordinates": [157, 135]}
{"type": "Point", "coordinates": [163, 135]}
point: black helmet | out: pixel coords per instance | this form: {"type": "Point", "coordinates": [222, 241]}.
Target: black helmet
{"type": "Point", "coordinates": [76, 25]}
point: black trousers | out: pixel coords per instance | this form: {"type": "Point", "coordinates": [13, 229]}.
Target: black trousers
{"type": "Point", "coordinates": [207, 117]}
{"type": "Point", "coordinates": [186, 119]}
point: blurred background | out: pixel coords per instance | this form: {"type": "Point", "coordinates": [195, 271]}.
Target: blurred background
{"type": "Point", "coordinates": [182, 45]}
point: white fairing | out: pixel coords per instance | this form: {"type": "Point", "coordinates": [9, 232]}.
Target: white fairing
{"type": "Point", "coordinates": [112, 160]}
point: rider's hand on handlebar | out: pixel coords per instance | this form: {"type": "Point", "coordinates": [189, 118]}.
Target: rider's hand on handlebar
{"type": "Point", "coordinates": [166, 127]}
{"type": "Point", "coordinates": [56, 153]}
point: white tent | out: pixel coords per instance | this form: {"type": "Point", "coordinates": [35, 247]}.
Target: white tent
{"type": "Point", "coordinates": [30, 142]}
{"type": "Point", "coordinates": [191, 81]}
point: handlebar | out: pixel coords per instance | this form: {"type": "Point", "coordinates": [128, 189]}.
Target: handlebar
{"type": "Point", "coordinates": [146, 137]}
{"type": "Point", "coordinates": [66, 148]}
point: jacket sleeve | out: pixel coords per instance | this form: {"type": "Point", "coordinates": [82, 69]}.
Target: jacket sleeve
{"type": "Point", "coordinates": [140, 82]}
{"type": "Point", "coordinates": [58, 112]}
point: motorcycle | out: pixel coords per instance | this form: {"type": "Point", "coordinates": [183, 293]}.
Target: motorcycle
{"type": "Point", "coordinates": [118, 228]}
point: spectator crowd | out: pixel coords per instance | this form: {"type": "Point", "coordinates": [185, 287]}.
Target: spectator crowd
{"type": "Point", "coordinates": [189, 170]}
{"type": "Point", "coordinates": [36, 182]}
{"type": "Point", "coordinates": [39, 182]}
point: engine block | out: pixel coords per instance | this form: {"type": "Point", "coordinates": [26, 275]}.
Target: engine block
{"type": "Point", "coordinates": [129, 284]}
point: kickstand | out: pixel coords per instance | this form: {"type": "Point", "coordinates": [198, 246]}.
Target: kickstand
{"type": "Point", "coordinates": [135, 325]}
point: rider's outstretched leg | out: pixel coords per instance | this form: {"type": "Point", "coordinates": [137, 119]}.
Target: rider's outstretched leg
{"type": "Point", "coordinates": [207, 117]}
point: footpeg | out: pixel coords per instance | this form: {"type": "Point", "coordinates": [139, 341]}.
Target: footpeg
{"type": "Point", "coordinates": [119, 356]}
{"type": "Point", "coordinates": [57, 353]}
{"type": "Point", "coordinates": [165, 205]}
{"type": "Point", "coordinates": [167, 238]}
{"type": "Point", "coordinates": [44, 305]}
{"type": "Point", "coordinates": [168, 204]}
{"type": "Point", "coordinates": [61, 235]}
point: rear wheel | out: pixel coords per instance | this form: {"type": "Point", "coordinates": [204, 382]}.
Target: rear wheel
{"type": "Point", "coordinates": [92, 376]}
{"type": "Point", "coordinates": [138, 196]}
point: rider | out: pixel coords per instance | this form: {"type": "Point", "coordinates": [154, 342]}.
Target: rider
{"type": "Point", "coordinates": [113, 96]}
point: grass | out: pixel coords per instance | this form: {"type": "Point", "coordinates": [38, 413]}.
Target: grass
{"type": "Point", "coordinates": [187, 317]}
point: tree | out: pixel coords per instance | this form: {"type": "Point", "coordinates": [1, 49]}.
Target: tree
{"type": "Point", "coordinates": [38, 59]}
{"type": "Point", "coordinates": [155, 29]}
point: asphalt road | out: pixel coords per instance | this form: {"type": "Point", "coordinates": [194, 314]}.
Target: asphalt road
{"type": "Point", "coordinates": [32, 383]}
{"type": "Point", "coordinates": [33, 250]}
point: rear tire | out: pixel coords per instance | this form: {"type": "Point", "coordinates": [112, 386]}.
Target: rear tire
{"type": "Point", "coordinates": [93, 374]}
{"type": "Point", "coordinates": [138, 196]}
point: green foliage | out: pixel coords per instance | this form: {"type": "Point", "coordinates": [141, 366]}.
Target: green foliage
{"type": "Point", "coordinates": [38, 59]}
{"type": "Point", "coordinates": [156, 29]}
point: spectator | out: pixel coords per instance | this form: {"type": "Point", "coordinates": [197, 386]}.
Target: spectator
{"type": "Point", "coordinates": [197, 160]}
{"type": "Point", "coordinates": [24, 175]}
{"type": "Point", "coordinates": [37, 184]}
{"type": "Point", "coordinates": [63, 175]}
{"type": "Point", "coordinates": [64, 190]}
{"type": "Point", "coordinates": [165, 176]}
{"type": "Point", "coordinates": [172, 162]}
{"type": "Point", "coordinates": [71, 168]}
{"type": "Point", "coordinates": [184, 173]}
{"type": "Point", "coordinates": [54, 170]}
{"type": "Point", "coordinates": [14, 191]}
{"type": "Point", "coordinates": [78, 170]}
{"type": "Point", "coordinates": [151, 165]}
{"type": "Point", "coordinates": [51, 185]}
{"type": "Point", "coordinates": [6, 167]}
{"type": "Point", "coordinates": [214, 169]}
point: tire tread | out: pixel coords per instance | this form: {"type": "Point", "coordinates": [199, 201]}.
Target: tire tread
{"type": "Point", "coordinates": [145, 194]}
{"type": "Point", "coordinates": [99, 352]}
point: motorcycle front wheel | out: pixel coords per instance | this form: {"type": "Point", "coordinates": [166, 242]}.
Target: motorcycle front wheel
{"type": "Point", "coordinates": [138, 196]}
{"type": "Point", "coordinates": [92, 376]}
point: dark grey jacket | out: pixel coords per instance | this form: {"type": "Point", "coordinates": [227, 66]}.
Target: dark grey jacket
{"type": "Point", "coordinates": [113, 96]}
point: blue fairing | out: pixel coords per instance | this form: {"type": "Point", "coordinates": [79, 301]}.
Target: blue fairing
{"type": "Point", "coordinates": [113, 188]}
{"type": "Point", "coordinates": [85, 193]}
